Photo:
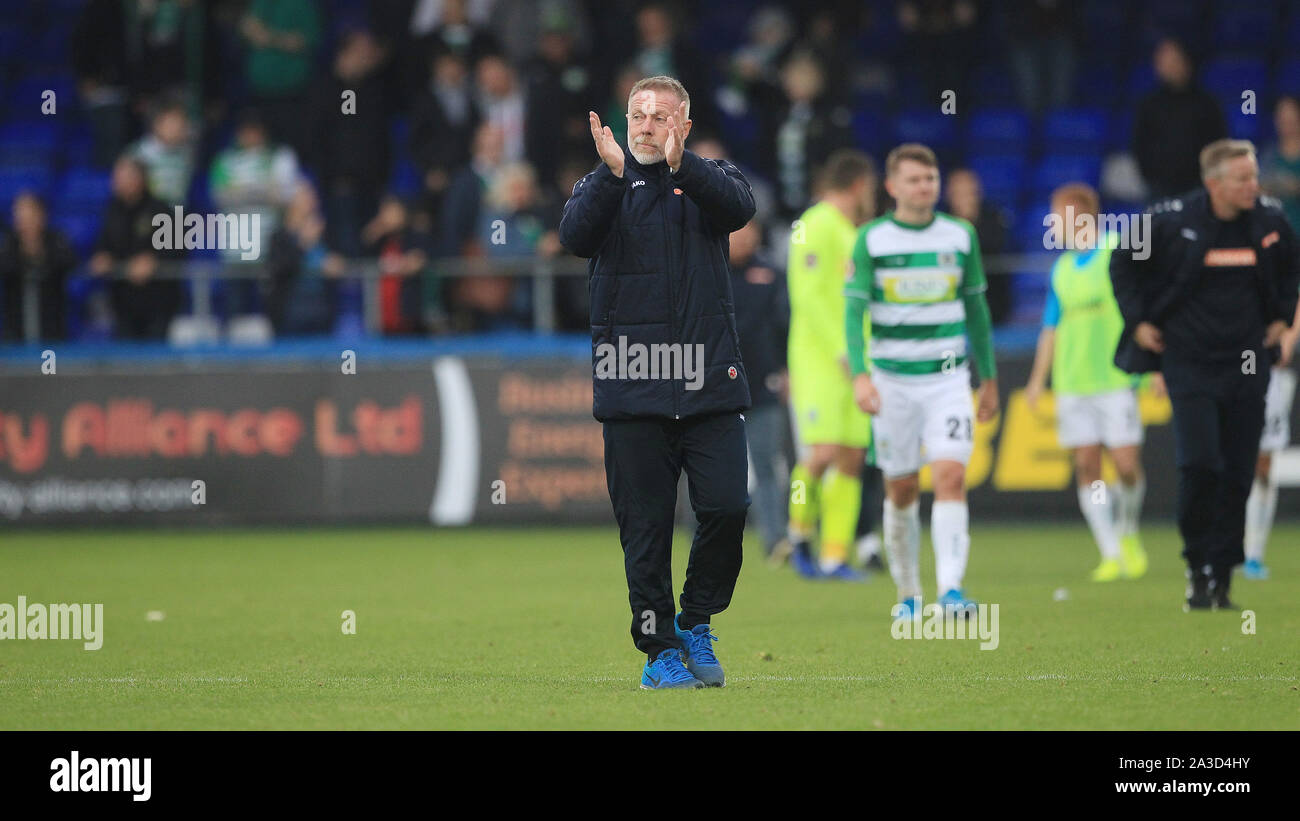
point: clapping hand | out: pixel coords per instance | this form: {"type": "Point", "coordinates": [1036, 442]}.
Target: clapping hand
{"type": "Point", "coordinates": [676, 142]}
{"type": "Point", "coordinates": [606, 146]}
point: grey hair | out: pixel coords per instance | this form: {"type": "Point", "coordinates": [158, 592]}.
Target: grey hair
{"type": "Point", "coordinates": [661, 82]}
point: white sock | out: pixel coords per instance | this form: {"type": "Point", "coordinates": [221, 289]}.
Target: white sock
{"type": "Point", "coordinates": [1260, 509]}
{"type": "Point", "coordinates": [868, 546]}
{"type": "Point", "coordinates": [1128, 500]}
{"type": "Point", "coordinates": [950, 533]}
{"type": "Point", "coordinates": [829, 565]}
{"type": "Point", "coordinates": [1098, 516]}
{"type": "Point", "coordinates": [902, 528]}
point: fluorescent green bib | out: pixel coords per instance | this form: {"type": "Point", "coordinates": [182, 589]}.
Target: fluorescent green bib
{"type": "Point", "coordinates": [1089, 327]}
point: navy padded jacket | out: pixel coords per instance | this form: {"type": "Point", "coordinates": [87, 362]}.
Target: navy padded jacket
{"type": "Point", "coordinates": [658, 244]}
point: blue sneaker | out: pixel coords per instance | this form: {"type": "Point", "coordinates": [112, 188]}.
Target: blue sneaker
{"type": "Point", "coordinates": [844, 573]}
{"type": "Point", "coordinates": [667, 672]}
{"type": "Point", "coordinates": [1255, 570]}
{"type": "Point", "coordinates": [955, 603]}
{"type": "Point", "coordinates": [907, 609]}
{"type": "Point", "coordinates": [803, 562]}
{"type": "Point", "coordinates": [697, 648]}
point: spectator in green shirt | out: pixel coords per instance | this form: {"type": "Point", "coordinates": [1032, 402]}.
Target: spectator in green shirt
{"type": "Point", "coordinates": [282, 37]}
{"type": "Point", "coordinates": [167, 152]}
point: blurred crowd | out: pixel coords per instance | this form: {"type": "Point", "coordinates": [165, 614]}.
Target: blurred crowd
{"type": "Point", "coordinates": [420, 133]}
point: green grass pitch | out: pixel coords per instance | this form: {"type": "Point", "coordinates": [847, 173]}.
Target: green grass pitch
{"type": "Point", "coordinates": [528, 628]}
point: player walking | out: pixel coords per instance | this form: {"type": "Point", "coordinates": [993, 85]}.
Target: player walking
{"type": "Point", "coordinates": [1261, 506]}
{"type": "Point", "coordinates": [918, 273]}
{"type": "Point", "coordinates": [826, 484]}
{"type": "Point", "coordinates": [1096, 403]}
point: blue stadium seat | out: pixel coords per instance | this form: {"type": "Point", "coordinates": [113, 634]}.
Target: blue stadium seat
{"type": "Point", "coordinates": [1002, 177]}
{"type": "Point", "coordinates": [405, 180]}
{"type": "Point", "coordinates": [998, 131]}
{"type": "Point", "coordinates": [929, 126]}
{"type": "Point", "coordinates": [1058, 169]}
{"type": "Point", "coordinates": [79, 148]}
{"type": "Point", "coordinates": [80, 286]}
{"type": "Point", "coordinates": [871, 132]}
{"type": "Point", "coordinates": [1227, 77]}
{"type": "Point", "coordinates": [350, 325]}
{"type": "Point", "coordinates": [877, 97]}
{"type": "Point", "coordinates": [30, 142]}
{"type": "Point", "coordinates": [350, 298]}
{"type": "Point", "coordinates": [1120, 135]}
{"type": "Point", "coordinates": [399, 130]}
{"type": "Point", "coordinates": [1254, 127]}
{"type": "Point", "coordinates": [1075, 130]}
{"type": "Point", "coordinates": [1030, 289]}
{"type": "Point", "coordinates": [1287, 79]}
{"type": "Point", "coordinates": [81, 228]}
{"type": "Point", "coordinates": [26, 96]}
{"type": "Point", "coordinates": [82, 189]}
{"type": "Point", "coordinates": [18, 178]}
{"type": "Point", "coordinates": [1027, 235]}
{"type": "Point", "coordinates": [1141, 82]}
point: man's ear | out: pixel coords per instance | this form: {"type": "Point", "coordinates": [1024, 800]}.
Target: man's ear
{"type": "Point", "coordinates": [686, 130]}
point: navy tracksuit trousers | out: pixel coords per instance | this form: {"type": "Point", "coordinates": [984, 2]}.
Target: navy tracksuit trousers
{"type": "Point", "coordinates": [644, 459]}
{"type": "Point", "coordinates": [1217, 425]}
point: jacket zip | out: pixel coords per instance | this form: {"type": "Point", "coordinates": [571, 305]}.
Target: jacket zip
{"type": "Point", "coordinates": [672, 299]}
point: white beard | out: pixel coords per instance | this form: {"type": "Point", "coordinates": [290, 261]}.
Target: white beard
{"type": "Point", "coordinates": [646, 155]}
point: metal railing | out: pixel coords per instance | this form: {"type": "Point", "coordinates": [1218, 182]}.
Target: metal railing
{"type": "Point", "coordinates": [544, 271]}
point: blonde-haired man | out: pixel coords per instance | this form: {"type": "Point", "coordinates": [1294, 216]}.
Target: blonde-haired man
{"type": "Point", "coordinates": [1207, 303]}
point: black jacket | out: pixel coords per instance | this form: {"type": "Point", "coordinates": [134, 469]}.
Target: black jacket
{"type": "Point", "coordinates": [1182, 230]}
{"type": "Point", "coordinates": [658, 244]}
{"type": "Point", "coordinates": [349, 147]}
{"type": "Point", "coordinates": [1171, 128]}
{"type": "Point", "coordinates": [436, 141]}
{"type": "Point", "coordinates": [763, 322]}
{"type": "Point", "coordinates": [47, 273]}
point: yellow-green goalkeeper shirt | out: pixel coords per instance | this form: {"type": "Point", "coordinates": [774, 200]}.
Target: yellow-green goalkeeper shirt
{"type": "Point", "coordinates": [923, 286]}
{"type": "Point", "coordinates": [820, 246]}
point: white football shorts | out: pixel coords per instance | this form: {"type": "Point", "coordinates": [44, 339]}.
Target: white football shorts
{"type": "Point", "coordinates": [934, 413]}
{"type": "Point", "coordinates": [1109, 419]}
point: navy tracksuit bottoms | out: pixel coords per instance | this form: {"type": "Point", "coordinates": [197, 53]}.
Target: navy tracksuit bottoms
{"type": "Point", "coordinates": [1216, 444]}
{"type": "Point", "coordinates": [644, 459]}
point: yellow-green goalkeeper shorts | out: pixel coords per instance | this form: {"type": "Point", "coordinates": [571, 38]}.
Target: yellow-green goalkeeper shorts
{"type": "Point", "coordinates": [825, 413]}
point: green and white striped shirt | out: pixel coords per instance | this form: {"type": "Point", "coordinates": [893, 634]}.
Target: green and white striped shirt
{"type": "Point", "coordinates": [914, 279]}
